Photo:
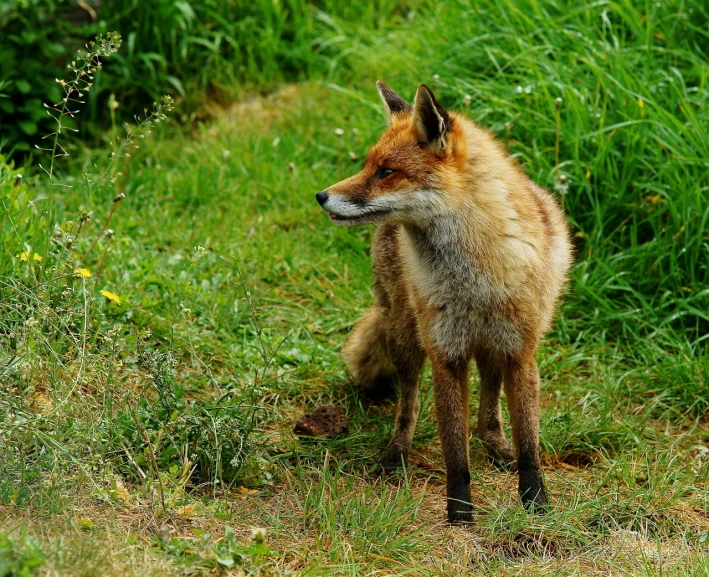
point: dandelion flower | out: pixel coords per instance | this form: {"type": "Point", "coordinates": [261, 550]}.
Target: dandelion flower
{"type": "Point", "coordinates": [112, 297]}
{"type": "Point", "coordinates": [25, 256]}
{"type": "Point", "coordinates": [82, 272]}
{"type": "Point", "coordinates": [85, 523]}
{"type": "Point", "coordinates": [186, 511]}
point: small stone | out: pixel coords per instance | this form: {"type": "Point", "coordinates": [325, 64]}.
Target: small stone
{"type": "Point", "coordinates": [166, 533]}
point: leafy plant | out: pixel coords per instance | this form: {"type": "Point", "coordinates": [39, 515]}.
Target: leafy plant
{"type": "Point", "coordinates": [39, 37]}
{"type": "Point", "coordinates": [187, 48]}
{"type": "Point", "coordinates": [205, 554]}
{"type": "Point", "coordinates": [19, 556]}
{"type": "Point", "coordinates": [165, 430]}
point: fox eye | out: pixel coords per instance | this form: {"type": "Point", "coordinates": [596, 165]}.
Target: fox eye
{"type": "Point", "coordinates": [384, 171]}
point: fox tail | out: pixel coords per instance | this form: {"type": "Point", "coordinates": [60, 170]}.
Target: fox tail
{"type": "Point", "coordinates": [366, 355]}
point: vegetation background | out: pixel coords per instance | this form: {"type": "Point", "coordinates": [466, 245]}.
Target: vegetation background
{"type": "Point", "coordinates": [172, 299]}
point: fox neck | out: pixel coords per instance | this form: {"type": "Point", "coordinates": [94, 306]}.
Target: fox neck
{"type": "Point", "coordinates": [459, 233]}
{"type": "Point", "coordinates": [444, 249]}
{"type": "Point", "coordinates": [436, 238]}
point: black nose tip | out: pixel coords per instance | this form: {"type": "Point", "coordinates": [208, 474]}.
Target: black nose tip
{"type": "Point", "coordinates": [321, 197]}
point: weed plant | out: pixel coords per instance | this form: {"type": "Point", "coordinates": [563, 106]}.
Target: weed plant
{"type": "Point", "coordinates": [88, 403]}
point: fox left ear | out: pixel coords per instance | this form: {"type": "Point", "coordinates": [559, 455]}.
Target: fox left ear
{"type": "Point", "coordinates": [392, 100]}
{"type": "Point", "coordinates": [431, 120]}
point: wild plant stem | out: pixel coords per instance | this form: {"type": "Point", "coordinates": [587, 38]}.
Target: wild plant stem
{"type": "Point", "coordinates": [105, 226]}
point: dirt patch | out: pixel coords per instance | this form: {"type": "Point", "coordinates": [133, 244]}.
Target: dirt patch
{"type": "Point", "coordinates": [325, 421]}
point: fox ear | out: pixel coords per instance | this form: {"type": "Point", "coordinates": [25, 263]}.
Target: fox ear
{"type": "Point", "coordinates": [431, 120]}
{"type": "Point", "coordinates": [392, 100]}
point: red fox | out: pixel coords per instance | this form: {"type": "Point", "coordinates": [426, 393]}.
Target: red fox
{"type": "Point", "coordinates": [470, 258]}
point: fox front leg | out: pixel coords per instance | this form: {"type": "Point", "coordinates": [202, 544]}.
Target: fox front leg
{"type": "Point", "coordinates": [408, 357]}
{"type": "Point", "coordinates": [450, 386]}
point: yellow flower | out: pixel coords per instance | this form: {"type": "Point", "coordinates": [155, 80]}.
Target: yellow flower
{"type": "Point", "coordinates": [112, 297]}
{"type": "Point", "coordinates": [82, 272]}
{"type": "Point", "coordinates": [85, 523]}
{"type": "Point", "coordinates": [26, 256]}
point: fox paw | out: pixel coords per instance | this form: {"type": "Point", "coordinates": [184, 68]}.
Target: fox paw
{"type": "Point", "coordinates": [394, 458]}
{"type": "Point", "coordinates": [459, 517]}
{"type": "Point", "coordinates": [532, 492]}
{"type": "Point", "coordinates": [501, 457]}
{"type": "Point", "coordinates": [460, 512]}
{"type": "Point", "coordinates": [383, 388]}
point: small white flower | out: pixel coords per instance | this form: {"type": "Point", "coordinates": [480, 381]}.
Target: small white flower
{"type": "Point", "coordinates": [258, 534]}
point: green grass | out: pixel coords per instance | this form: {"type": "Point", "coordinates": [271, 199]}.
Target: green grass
{"type": "Point", "coordinates": [171, 413]}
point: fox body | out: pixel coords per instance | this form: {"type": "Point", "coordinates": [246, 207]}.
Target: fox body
{"type": "Point", "coordinates": [470, 258]}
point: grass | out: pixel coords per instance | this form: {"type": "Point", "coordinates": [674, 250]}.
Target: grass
{"type": "Point", "coordinates": [136, 436]}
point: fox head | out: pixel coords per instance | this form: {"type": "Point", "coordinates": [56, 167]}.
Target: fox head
{"type": "Point", "coordinates": [408, 171]}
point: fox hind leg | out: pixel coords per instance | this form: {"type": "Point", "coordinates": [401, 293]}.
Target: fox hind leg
{"type": "Point", "coordinates": [490, 431]}
{"type": "Point", "coordinates": [383, 350]}
{"type": "Point", "coordinates": [366, 355]}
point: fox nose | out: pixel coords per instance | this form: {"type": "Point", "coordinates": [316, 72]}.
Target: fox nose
{"type": "Point", "coordinates": [321, 197]}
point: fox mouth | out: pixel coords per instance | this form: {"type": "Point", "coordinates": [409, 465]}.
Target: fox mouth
{"type": "Point", "coordinates": [363, 218]}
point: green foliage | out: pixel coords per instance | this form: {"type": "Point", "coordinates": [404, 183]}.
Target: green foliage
{"type": "Point", "coordinates": [19, 556]}
{"type": "Point", "coordinates": [165, 431]}
{"type": "Point", "coordinates": [38, 40]}
{"type": "Point", "coordinates": [205, 555]}
{"type": "Point", "coordinates": [187, 48]}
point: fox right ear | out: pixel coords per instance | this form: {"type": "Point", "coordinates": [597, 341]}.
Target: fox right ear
{"type": "Point", "coordinates": [431, 120]}
{"type": "Point", "coordinates": [392, 100]}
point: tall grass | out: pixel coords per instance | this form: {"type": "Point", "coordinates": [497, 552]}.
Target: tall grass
{"type": "Point", "coordinates": [195, 50]}
{"type": "Point", "coordinates": [632, 166]}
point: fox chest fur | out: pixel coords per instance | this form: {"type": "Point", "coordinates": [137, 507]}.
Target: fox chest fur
{"type": "Point", "coordinates": [457, 301]}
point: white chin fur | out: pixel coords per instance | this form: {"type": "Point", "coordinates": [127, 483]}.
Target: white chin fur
{"type": "Point", "coordinates": [410, 204]}
{"type": "Point", "coordinates": [365, 218]}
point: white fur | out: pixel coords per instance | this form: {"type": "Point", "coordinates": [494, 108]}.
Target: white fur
{"type": "Point", "coordinates": [412, 205]}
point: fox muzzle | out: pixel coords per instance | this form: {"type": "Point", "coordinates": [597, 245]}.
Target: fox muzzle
{"type": "Point", "coordinates": [322, 197]}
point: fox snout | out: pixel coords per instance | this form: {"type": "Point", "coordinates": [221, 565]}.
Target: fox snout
{"type": "Point", "coordinates": [347, 210]}
{"type": "Point", "coordinates": [321, 197]}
